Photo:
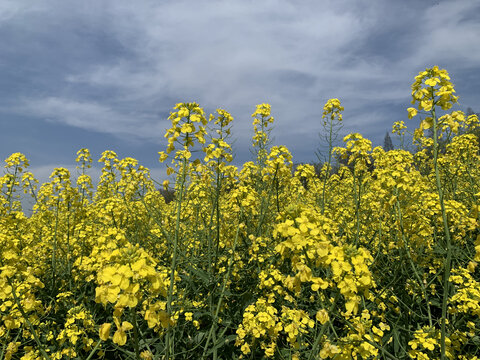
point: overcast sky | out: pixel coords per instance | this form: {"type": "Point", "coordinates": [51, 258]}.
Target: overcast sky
{"type": "Point", "coordinates": [105, 74]}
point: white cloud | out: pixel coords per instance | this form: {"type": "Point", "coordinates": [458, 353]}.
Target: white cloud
{"type": "Point", "coordinates": [11, 8]}
{"type": "Point", "coordinates": [92, 116]}
{"type": "Point", "coordinates": [448, 33]}
{"type": "Point", "coordinates": [229, 55]}
{"type": "Point", "coordinates": [234, 55]}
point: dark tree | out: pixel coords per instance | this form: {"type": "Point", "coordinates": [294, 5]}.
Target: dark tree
{"type": "Point", "coordinates": [387, 142]}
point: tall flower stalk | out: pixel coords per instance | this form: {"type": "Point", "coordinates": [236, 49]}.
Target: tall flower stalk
{"type": "Point", "coordinates": [188, 126]}
{"type": "Point", "coordinates": [432, 88]}
{"type": "Point", "coordinates": [332, 124]}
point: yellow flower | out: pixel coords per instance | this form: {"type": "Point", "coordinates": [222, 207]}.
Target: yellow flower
{"type": "Point", "coordinates": [322, 316]}
{"type": "Point", "coordinates": [127, 300]}
{"type": "Point", "coordinates": [105, 331]}
{"type": "Point", "coordinates": [269, 352]}
{"type": "Point", "coordinates": [163, 156]}
{"type": "Point", "coordinates": [146, 355]}
{"type": "Point", "coordinates": [165, 184]}
{"type": "Point", "coordinates": [120, 337]}
{"type": "Point", "coordinates": [432, 81]}
{"type": "Point", "coordinates": [245, 348]}
{"type": "Point", "coordinates": [427, 123]}
{"type": "Point", "coordinates": [426, 105]}
{"type": "Point", "coordinates": [471, 266]}
{"type": "Point", "coordinates": [351, 306]}
{"type": "Point", "coordinates": [377, 331]}
{"type": "Point", "coordinates": [412, 112]}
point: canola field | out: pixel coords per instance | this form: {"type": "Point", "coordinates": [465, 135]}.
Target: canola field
{"type": "Point", "coordinates": [375, 260]}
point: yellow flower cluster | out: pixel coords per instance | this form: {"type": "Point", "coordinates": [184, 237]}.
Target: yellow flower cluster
{"type": "Point", "coordinates": [432, 87]}
{"type": "Point", "coordinates": [188, 126]}
{"type": "Point", "coordinates": [333, 110]}
{"type": "Point", "coordinates": [371, 255]}
{"type": "Point", "coordinates": [219, 149]}
{"type": "Point", "coordinates": [261, 121]}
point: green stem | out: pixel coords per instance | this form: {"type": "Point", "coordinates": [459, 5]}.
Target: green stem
{"type": "Point", "coordinates": [222, 294]}
{"type": "Point", "coordinates": [4, 348]}
{"type": "Point", "coordinates": [327, 172]}
{"type": "Point", "coordinates": [54, 250]}
{"type": "Point", "coordinates": [217, 208]}
{"type": "Point", "coordinates": [448, 261]}
{"type": "Point", "coordinates": [169, 339]}
{"type": "Point", "coordinates": [135, 334]}
{"type": "Point", "coordinates": [10, 192]}
{"type": "Point", "coordinates": [94, 350]}
{"type": "Point", "coordinates": [357, 198]}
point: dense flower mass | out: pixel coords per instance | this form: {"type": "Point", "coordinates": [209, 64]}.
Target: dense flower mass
{"type": "Point", "coordinates": [372, 255]}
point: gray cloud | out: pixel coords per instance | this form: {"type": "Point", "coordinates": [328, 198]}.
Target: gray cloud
{"type": "Point", "coordinates": [91, 116]}
{"type": "Point", "coordinates": [119, 67]}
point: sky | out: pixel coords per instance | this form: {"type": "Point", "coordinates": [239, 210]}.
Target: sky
{"type": "Point", "coordinates": [104, 75]}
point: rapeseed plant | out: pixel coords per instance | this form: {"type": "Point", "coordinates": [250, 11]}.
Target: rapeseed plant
{"type": "Point", "coordinates": [376, 261]}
